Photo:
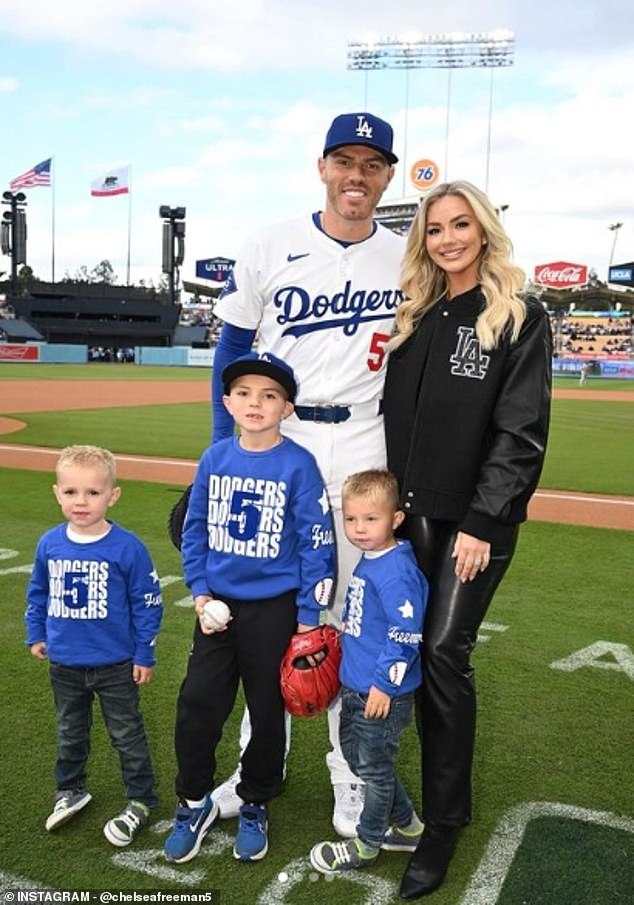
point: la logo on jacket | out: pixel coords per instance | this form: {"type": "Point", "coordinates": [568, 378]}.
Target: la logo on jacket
{"type": "Point", "coordinates": [468, 359]}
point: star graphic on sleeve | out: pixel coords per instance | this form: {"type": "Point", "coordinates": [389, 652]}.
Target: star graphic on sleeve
{"type": "Point", "coordinates": [324, 502]}
{"type": "Point", "coordinates": [407, 610]}
{"type": "Point", "coordinates": [154, 575]}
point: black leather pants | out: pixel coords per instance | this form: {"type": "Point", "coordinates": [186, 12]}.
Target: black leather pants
{"type": "Point", "coordinates": [446, 701]}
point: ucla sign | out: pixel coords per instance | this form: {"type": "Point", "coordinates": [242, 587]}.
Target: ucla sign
{"type": "Point", "coordinates": [622, 273]}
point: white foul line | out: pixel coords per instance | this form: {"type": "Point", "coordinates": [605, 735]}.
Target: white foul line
{"type": "Point", "coordinates": [582, 499]}
{"type": "Point", "coordinates": [120, 457]}
{"type": "Point", "coordinates": [187, 463]}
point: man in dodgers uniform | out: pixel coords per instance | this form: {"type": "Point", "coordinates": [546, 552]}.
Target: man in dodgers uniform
{"type": "Point", "coordinates": [321, 292]}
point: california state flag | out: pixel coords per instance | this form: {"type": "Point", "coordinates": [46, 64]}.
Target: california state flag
{"type": "Point", "coordinates": [115, 182]}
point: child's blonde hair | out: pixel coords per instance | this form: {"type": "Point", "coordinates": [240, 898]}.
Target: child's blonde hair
{"type": "Point", "coordinates": [376, 483]}
{"type": "Point", "coordinates": [88, 457]}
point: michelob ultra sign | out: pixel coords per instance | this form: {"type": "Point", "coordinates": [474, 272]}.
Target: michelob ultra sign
{"type": "Point", "coordinates": [217, 269]}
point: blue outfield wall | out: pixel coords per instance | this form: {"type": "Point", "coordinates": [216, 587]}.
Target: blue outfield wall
{"type": "Point", "coordinates": [156, 355]}
{"type": "Point", "coordinates": [184, 356]}
{"type": "Point", "coordinates": [59, 353]}
{"type": "Point", "coordinates": [63, 354]}
{"type": "Point", "coordinates": [601, 367]}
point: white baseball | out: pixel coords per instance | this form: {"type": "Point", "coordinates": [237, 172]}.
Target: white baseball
{"type": "Point", "coordinates": [216, 614]}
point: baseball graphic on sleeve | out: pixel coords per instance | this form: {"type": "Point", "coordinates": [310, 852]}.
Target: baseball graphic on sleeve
{"type": "Point", "coordinates": [216, 614]}
{"type": "Point", "coordinates": [323, 590]}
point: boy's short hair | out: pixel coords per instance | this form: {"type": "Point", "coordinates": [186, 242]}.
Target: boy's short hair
{"type": "Point", "coordinates": [375, 483]}
{"type": "Point", "coordinates": [88, 457]}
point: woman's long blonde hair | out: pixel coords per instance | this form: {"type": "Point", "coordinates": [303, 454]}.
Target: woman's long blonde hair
{"type": "Point", "coordinates": [424, 283]}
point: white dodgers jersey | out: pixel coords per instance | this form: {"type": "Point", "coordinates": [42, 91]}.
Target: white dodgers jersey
{"type": "Point", "coordinates": [326, 309]}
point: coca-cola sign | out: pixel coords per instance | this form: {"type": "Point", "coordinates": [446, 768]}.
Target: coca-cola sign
{"type": "Point", "coordinates": [561, 275]}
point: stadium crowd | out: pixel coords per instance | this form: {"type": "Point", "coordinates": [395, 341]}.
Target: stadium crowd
{"type": "Point", "coordinates": [611, 336]}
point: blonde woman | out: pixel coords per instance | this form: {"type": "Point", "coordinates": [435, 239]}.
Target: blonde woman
{"type": "Point", "coordinates": [466, 406]}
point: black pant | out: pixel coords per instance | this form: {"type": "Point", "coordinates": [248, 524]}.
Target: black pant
{"type": "Point", "coordinates": [446, 701]}
{"type": "Point", "coordinates": [250, 649]}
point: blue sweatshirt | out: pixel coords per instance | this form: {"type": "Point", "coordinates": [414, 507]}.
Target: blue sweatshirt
{"type": "Point", "coordinates": [383, 623]}
{"type": "Point", "coordinates": [94, 604]}
{"type": "Point", "coordinates": [258, 525]}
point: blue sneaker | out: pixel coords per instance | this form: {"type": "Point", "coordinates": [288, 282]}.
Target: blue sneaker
{"type": "Point", "coordinates": [191, 825]}
{"type": "Point", "coordinates": [252, 841]}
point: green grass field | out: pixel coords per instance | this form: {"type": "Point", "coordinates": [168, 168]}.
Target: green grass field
{"type": "Point", "coordinates": [590, 445]}
{"type": "Point", "coordinates": [553, 808]}
{"type": "Point", "coordinates": [113, 371]}
{"type": "Point", "coordinates": [603, 384]}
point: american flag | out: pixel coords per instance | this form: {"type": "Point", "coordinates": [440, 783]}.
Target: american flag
{"type": "Point", "coordinates": [40, 174]}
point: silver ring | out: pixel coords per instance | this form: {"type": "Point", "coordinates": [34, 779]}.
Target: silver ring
{"type": "Point", "coordinates": [477, 562]}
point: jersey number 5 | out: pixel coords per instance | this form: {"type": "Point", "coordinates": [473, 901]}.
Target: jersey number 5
{"type": "Point", "coordinates": [376, 352]}
{"type": "Point", "coordinates": [245, 516]}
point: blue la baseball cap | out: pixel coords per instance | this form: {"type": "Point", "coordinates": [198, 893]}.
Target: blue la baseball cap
{"type": "Point", "coordinates": [265, 364]}
{"type": "Point", "coordinates": [361, 129]}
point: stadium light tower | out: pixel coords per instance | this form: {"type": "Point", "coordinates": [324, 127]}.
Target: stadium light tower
{"type": "Point", "coordinates": [614, 227]}
{"type": "Point", "coordinates": [501, 212]}
{"type": "Point", "coordinates": [13, 233]}
{"type": "Point", "coordinates": [451, 50]}
{"type": "Point", "coordinates": [173, 244]}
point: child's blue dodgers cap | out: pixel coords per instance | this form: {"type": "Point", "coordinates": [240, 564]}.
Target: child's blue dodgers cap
{"type": "Point", "coordinates": [265, 364]}
{"type": "Point", "coordinates": [361, 129]}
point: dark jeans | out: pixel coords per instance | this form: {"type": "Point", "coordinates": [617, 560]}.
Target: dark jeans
{"type": "Point", "coordinates": [251, 650]}
{"type": "Point", "coordinates": [74, 689]}
{"type": "Point", "coordinates": [446, 701]}
{"type": "Point", "coordinates": [370, 747]}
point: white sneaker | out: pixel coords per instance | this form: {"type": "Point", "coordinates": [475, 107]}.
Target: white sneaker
{"type": "Point", "coordinates": [226, 797]}
{"type": "Point", "coordinates": [348, 806]}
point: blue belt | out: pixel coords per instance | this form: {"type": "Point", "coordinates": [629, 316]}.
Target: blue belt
{"type": "Point", "coordinates": [326, 414]}
{"type": "Point", "coordinates": [336, 414]}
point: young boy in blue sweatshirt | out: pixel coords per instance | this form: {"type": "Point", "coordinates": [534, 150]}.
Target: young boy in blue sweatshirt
{"type": "Point", "coordinates": [258, 535]}
{"type": "Point", "coordinates": [380, 670]}
{"type": "Point", "coordinates": [94, 610]}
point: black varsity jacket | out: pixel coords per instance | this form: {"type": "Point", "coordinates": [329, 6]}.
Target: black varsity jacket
{"type": "Point", "coordinates": [466, 429]}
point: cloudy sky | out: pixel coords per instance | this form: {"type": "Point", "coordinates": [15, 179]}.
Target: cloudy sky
{"type": "Point", "coordinates": [223, 108]}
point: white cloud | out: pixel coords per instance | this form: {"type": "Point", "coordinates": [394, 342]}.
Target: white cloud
{"type": "Point", "coordinates": [223, 108]}
{"type": "Point", "coordinates": [255, 35]}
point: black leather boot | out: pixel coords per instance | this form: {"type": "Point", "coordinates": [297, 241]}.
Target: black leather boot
{"type": "Point", "coordinates": [428, 865]}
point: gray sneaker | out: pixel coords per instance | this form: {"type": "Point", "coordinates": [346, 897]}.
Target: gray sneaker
{"type": "Point", "coordinates": [126, 826]}
{"type": "Point", "coordinates": [336, 857]}
{"type": "Point", "coordinates": [398, 839]}
{"type": "Point", "coordinates": [68, 802]}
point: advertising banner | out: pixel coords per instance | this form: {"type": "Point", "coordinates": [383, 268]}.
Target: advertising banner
{"type": "Point", "coordinates": [561, 275]}
{"type": "Point", "coordinates": [19, 352]}
{"type": "Point", "coordinates": [424, 174]}
{"type": "Point", "coordinates": [621, 370]}
{"type": "Point", "coordinates": [200, 358]}
{"type": "Point", "coordinates": [217, 269]}
{"type": "Point", "coordinates": [622, 274]}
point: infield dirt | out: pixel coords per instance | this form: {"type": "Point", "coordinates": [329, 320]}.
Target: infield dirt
{"type": "Point", "coordinates": [62, 395]}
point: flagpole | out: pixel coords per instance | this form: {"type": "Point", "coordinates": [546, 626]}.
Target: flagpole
{"type": "Point", "coordinates": [129, 222]}
{"type": "Point", "coordinates": [53, 220]}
